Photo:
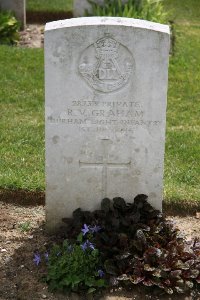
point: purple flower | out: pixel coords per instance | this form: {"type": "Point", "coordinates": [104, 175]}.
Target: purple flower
{"type": "Point", "coordinates": [90, 245]}
{"type": "Point", "coordinates": [37, 259]}
{"type": "Point", "coordinates": [85, 229]}
{"type": "Point", "coordinates": [101, 273]}
{"type": "Point", "coordinates": [84, 246]}
{"type": "Point", "coordinates": [95, 229]}
{"type": "Point", "coordinates": [87, 245]}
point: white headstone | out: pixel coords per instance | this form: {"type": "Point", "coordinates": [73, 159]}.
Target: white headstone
{"type": "Point", "coordinates": [106, 91]}
{"type": "Point", "coordinates": [18, 7]}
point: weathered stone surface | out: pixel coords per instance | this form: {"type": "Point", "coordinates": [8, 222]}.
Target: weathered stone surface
{"type": "Point", "coordinates": [106, 90]}
{"type": "Point", "coordinates": [18, 7]}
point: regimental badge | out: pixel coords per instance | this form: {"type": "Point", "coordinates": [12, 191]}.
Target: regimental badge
{"type": "Point", "coordinates": [106, 65]}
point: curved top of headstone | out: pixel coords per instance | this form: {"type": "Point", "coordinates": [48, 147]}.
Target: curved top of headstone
{"type": "Point", "coordinates": [108, 21]}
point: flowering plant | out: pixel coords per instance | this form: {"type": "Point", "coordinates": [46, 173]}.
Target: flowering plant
{"type": "Point", "coordinates": [134, 244]}
{"type": "Point", "coordinates": [139, 246]}
{"type": "Point", "coordinates": [75, 266]}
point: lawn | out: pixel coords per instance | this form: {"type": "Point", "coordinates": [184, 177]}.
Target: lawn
{"type": "Point", "coordinates": [49, 5]}
{"type": "Point", "coordinates": [22, 111]}
{"type": "Point", "coordinates": [21, 118]}
{"type": "Point", "coordinates": [184, 10]}
{"type": "Point", "coordinates": [182, 168]}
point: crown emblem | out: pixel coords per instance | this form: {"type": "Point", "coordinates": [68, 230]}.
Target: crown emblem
{"type": "Point", "coordinates": [106, 47]}
{"type": "Point", "coordinates": [106, 65]}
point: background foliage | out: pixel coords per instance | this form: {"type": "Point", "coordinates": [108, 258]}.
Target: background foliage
{"type": "Point", "coordinates": [9, 28]}
{"type": "Point", "coordinates": [49, 5]}
{"type": "Point", "coordinates": [151, 10]}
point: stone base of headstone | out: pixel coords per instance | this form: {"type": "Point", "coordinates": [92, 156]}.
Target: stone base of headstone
{"type": "Point", "coordinates": [16, 6]}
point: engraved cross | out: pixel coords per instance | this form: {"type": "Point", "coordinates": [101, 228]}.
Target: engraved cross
{"type": "Point", "coordinates": [105, 164]}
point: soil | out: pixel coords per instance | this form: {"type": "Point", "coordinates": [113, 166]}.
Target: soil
{"type": "Point", "coordinates": [23, 232]}
{"type": "Point", "coordinates": [32, 36]}
{"type": "Point", "coordinates": [41, 17]}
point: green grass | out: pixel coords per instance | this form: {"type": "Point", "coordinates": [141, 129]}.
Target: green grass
{"type": "Point", "coordinates": [22, 108]}
{"type": "Point", "coordinates": [182, 168]}
{"type": "Point", "coordinates": [49, 5]}
{"type": "Point", "coordinates": [21, 118]}
{"type": "Point", "coordinates": [184, 10]}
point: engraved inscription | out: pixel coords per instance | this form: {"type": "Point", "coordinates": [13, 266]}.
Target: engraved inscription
{"type": "Point", "coordinates": [106, 65]}
{"type": "Point", "coordinates": [112, 104]}
{"type": "Point", "coordinates": [105, 164]}
{"type": "Point", "coordinates": [101, 116]}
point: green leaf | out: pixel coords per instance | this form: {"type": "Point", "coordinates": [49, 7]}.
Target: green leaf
{"type": "Point", "coordinates": [9, 28]}
{"type": "Point", "coordinates": [100, 283]}
{"type": "Point", "coordinates": [91, 290]}
{"type": "Point", "coordinates": [80, 238]}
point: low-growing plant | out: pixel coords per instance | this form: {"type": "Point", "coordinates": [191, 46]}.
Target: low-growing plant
{"type": "Point", "coordinates": [74, 266]}
{"type": "Point", "coordinates": [139, 246]}
{"type": "Point", "coordinates": [132, 243]}
{"type": "Point", "coordinates": [9, 28]}
{"type": "Point", "coordinates": [151, 10]}
{"type": "Point", "coordinates": [162, 259]}
{"type": "Point", "coordinates": [25, 226]}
